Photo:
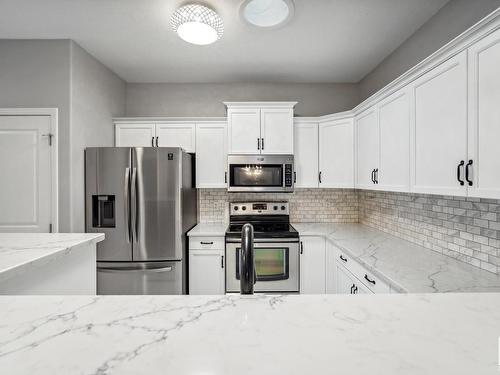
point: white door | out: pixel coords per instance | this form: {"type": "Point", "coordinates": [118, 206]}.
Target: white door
{"type": "Point", "coordinates": [211, 155]}
{"type": "Point", "coordinates": [345, 281]}
{"type": "Point", "coordinates": [276, 127]}
{"type": "Point", "coordinates": [306, 155]}
{"type": "Point", "coordinates": [367, 135]}
{"type": "Point", "coordinates": [244, 130]}
{"type": "Point", "coordinates": [336, 154]}
{"type": "Point", "coordinates": [439, 133]}
{"type": "Point", "coordinates": [177, 135]}
{"type": "Point", "coordinates": [26, 174]}
{"type": "Point", "coordinates": [484, 118]}
{"type": "Point", "coordinates": [394, 123]}
{"type": "Point", "coordinates": [206, 272]}
{"type": "Point", "coordinates": [135, 135]}
{"type": "Point", "coordinates": [312, 265]}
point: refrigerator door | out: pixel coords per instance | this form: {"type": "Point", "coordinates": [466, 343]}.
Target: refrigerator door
{"type": "Point", "coordinates": [156, 204]}
{"type": "Point", "coordinates": [107, 192]}
{"type": "Point", "coordinates": [140, 278]}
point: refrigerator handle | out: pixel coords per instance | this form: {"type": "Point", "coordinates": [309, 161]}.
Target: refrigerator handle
{"type": "Point", "coordinates": [127, 202]}
{"type": "Point", "coordinates": [134, 209]}
{"type": "Point", "coordinates": [135, 269]}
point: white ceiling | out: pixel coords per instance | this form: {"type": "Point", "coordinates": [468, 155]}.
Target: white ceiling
{"type": "Point", "coordinates": [326, 41]}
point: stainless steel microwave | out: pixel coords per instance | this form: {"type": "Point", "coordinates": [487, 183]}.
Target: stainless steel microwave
{"type": "Point", "coordinates": [260, 173]}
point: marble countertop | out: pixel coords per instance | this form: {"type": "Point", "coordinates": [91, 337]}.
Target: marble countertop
{"type": "Point", "coordinates": [19, 251]}
{"type": "Point", "coordinates": [208, 230]}
{"type": "Point", "coordinates": [364, 334]}
{"type": "Point", "coordinates": [406, 266]}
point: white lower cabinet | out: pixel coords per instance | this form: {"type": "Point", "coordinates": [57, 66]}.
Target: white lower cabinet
{"type": "Point", "coordinates": [206, 266]}
{"type": "Point", "coordinates": [347, 283]}
{"type": "Point", "coordinates": [312, 265]}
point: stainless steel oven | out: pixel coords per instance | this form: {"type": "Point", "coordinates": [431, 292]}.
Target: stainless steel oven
{"type": "Point", "coordinates": [276, 265]}
{"type": "Point", "coordinates": [260, 173]}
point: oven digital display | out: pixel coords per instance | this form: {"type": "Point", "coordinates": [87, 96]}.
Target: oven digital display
{"type": "Point", "coordinates": [259, 206]}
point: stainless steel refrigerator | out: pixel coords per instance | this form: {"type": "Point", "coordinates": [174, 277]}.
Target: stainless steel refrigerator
{"type": "Point", "coordinates": [144, 200]}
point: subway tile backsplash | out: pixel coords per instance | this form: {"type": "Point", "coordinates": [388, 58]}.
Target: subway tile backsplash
{"type": "Point", "coordinates": [306, 205]}
{"type": "Point", "coordinates": [467, 229]}
{"type": "Point", "coordinates": [464, 228]}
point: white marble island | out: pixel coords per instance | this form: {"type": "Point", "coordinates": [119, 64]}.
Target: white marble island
{"type": "Point", "coordinates": [336, 334]}
{"type": "Point", "coordinates": [48, 263]}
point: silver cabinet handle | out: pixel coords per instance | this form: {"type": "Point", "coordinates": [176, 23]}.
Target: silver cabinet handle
{"type": "Point", "coordinates": [127, 202]}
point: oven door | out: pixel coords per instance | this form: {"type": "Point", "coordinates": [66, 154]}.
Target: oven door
{"type": "Point", "coordinates": [276, 266]}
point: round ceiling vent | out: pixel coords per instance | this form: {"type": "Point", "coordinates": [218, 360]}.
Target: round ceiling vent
{"type": "Point", "coordinates": [267, 13]}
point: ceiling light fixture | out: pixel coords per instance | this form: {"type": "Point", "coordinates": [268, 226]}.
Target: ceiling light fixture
{"type": "Point", "coordinates": [197, 24]}
{"type": "Point", "coordinates": [267, 13]}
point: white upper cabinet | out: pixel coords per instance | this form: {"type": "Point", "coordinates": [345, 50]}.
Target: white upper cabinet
{"type": "Point", "coordinates": [483, 163]}
{"type": "Point", "coordinates": [306, 155]}
{"type": "Point", "coordinates": [176, 135]}
{"type": "Point", "coordinates": [336, 154]}
{"type": "Point", "coordinates": [367, 135]}
{"type": "Point", "coordinates": [134, 135]}
{"type": "Point", "coordinates": [394, 127]}
{"type": "Point", "coordinates": [260, 128]}
{"type": "Point", "coordinates": [244, 130]}
{"type": "Point", "coordinates": [439, 129]}
{"type": "Point", "coordinates": [276, 130]}
{"type": "Point", "coordinates": [211, 155]}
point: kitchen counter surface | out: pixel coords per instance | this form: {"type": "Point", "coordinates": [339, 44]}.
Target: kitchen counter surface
{"type": "Point", "coordinates": [363, 334]}
{"type": "Point", "coordinates": [20, 252]}
{"type": "Point", "coordinates": [406, 266]}
{"type": "Point", "coordinates": [208, 230]}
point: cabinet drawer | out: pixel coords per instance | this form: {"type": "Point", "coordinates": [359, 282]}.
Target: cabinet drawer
{"type": "Point", "coordinates": [206, 243]}
{"type": "Point", "coordinates": [367, 278]}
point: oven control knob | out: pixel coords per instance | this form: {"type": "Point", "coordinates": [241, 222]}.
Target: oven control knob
{"type": "Point", "coordinates": [236, 208]}
{"type": "Point", "coordinates": [275, 208]}
{"type": "Point", "coordinates": [283, 208]}
{"type": "Point", "coordinates": [243, 208]}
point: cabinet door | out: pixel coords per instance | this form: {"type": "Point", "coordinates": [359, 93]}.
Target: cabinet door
{"type": "Point", "coordinates": [439, 129]}
{"type": "Point", "coordinates": [306, 155]}
{"type": "Point", "coordinates": [206, 272]}
{"type": "Point", "coordinates": [134, 135]}
{"type": "Point", "coordinates": [177, 135]}
{"type": "Point", "coordinates": [345, 281]}
{"type": "Point", "coordinates": [244, 130]}
{"type": "Point", "coordinates": [484, 117]}
{"type": "Point", "coordinates": [336, 154]}
{"type": "Point", "coordinates": [312, 265]}
{"type": "Point", "coordinates": [367, 135]}
{"type": "Point", "coordinates": [211, 155]}
{"type": "Point", "coordinates": [276, 127]}
{"type": "Point", "coordinates": [394, 124]}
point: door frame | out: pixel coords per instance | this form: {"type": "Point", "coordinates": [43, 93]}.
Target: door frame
{"type": "Point", "coordinates": [53, 115]}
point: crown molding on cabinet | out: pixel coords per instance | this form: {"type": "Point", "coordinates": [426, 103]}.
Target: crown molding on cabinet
{"type": "Point", "coordinates": [177, 120]}
{"type": "Point", "coordinates": [260, 104]}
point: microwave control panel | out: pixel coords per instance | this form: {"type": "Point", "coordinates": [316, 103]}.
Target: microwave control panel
{"type": "Point", "coordinates": [288, 175]}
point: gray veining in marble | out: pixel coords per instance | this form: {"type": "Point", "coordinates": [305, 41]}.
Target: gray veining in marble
{"type": "Point", "coordinates": [405, 266]}
{"type": "Point", "coordinates": [339, 334]}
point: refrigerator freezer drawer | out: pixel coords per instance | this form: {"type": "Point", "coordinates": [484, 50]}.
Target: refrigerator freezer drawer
{"type": "Point", "coordinates": [136, 278]}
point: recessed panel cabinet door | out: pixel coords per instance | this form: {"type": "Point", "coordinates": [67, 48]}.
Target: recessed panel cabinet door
{"type": "Point", "coordinates": [276, 130]}
{"type": "Point", "coordinates": [177, 135]}
{"type": "Point", "coordinates": [312, 265]}
{"type": "Point", "coordinates": [206, 272]}
{"type": "Point", "coordinates": [484, 118]}
{"type": "Point", "coordinates": [244, 130]}
{"type": "Point", "coordinates": [345, 281]}
{"type": "Point", "coordinates": [336, 154]}
{"type": "Point", "coordinates": [211, 155]}
{"type": "Point", "coordinates": [367, 132]}
{"type": "Point", "coordinates": [135, 135]}
{"type": "Point", "coordinates": [439, 133]}
{"type": "Point", "coordinates": [394, 124]}
{"type": "Point", "coordinates": [306, 155]}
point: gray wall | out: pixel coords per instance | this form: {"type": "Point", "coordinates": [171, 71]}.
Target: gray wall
{"type": "Point", "coordinates": [97, 95]}
{"type": "Point", "coordinates": [205, 99]}
{"type": "Point", "coordinates": [450, 21]}
{"type": "Point", "coordinates": [36, 73]}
